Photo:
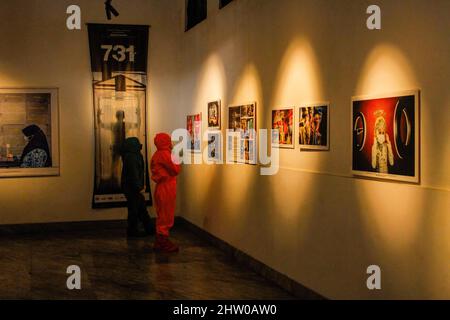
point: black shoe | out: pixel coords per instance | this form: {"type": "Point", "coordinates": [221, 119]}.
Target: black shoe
{"type": "Point", "coordinates": [150, 230]}
{"type": "Point", "coordinates": [136, 234]}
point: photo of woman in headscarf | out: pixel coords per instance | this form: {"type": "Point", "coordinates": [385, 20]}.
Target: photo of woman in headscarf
{"type": "Point", "coordinates": [36, 153]}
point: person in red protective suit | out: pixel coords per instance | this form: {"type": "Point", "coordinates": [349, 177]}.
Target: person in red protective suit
{"type": "Point", "coordinates": [164, 173]}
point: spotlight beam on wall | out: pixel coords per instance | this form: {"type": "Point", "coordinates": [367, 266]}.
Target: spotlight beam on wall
{"type": "Point", "coordinates": [110, 10]}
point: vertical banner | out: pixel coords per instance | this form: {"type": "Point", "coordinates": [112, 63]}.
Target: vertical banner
{"type": "Point", "coordinates": [119, 70]}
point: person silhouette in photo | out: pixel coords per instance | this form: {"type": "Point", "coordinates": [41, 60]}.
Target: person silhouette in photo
{"type": "Point", "coordinates": [118, 131]}
{"type": "Point", "coordinates": [36, 153]}
{"type": "Point", "coordinates": [164, 173]}
{"type": "Point", "coordinates": [133, 183]}
{"type": "Point", "coordinates": [118, 138]}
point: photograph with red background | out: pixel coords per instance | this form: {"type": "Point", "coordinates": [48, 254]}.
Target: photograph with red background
{"type": "Point", "coordinates": [400, 118]}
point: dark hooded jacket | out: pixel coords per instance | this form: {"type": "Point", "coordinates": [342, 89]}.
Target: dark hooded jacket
{"type": "Point", "coordinates": [163, 168]}
{"type": "Point", "coordinates": [38, 140]}
{"type": "Point", "coordinates": [133, 166]}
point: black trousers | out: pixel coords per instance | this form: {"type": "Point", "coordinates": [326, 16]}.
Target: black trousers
{"type": "Point", "coordinates": [137, 211]}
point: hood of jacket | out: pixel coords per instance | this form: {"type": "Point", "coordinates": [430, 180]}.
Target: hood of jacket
{"type": "Point", "coordinates": [132, 145]}
{"type": "Point", "coordinates": [163, 142]}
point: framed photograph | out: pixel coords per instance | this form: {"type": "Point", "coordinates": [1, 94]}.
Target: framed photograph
{"type": "Point", "coordinates": [214, 115]}
{"type": "Point", "coordinates": [194, 127]}
{"type": "Point", "coordinates": [385, 136]}
{"type": "Point", "coordinates": [283, 121]}
{"type": "Point", "coordinates": [215, 147]}
{"type": "Point", "coordinates": [241, 135]}
{"type": "Point", "coordinates": [29, 132]}
{"type": "Point", "coordinates": [314, 127]}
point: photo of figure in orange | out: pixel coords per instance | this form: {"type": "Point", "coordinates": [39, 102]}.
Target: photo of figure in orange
{"type": "Point", "coordinates": [314, 127]}
{"type": "Point", "coordinates": [386, 137]}
{"type": "Point", "coordinates": [283, 121]}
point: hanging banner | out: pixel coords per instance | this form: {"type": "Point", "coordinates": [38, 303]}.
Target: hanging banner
{"type": "Point", "coordinates": [119, 70]}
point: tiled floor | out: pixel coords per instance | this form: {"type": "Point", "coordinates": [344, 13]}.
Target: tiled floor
{"type": "Point", "coordinates": [34, 267]}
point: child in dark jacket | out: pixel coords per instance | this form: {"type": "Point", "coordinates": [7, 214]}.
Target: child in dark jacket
{"type": "Point", "coordinates": [164, 173]}
{"type": "Point", "coordinates": [132, 186]}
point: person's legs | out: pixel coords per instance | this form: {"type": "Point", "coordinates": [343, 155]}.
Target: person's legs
{"type": "Point", "coordinates": [144, 217]}
{"type": "Point", "coordinates": [165, 207]}
{"type": "Point", "coordinates": [133, 215]}
{"type": "Point", "coordinates": [165, 198]}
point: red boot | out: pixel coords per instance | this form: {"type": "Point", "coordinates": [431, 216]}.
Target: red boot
{"type": "Point", "coordinates": [164, 245]}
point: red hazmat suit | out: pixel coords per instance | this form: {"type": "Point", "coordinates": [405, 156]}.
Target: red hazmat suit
{"type": "Point", "coordinates": [164, 173]}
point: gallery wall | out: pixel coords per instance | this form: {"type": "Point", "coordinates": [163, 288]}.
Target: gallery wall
{"type": "Point", "coordinates": [313, 221]}
{"type": "Point", "coordinates": [39, 51]}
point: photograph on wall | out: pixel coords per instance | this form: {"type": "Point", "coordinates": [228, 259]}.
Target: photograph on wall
{"type": "Point", "coordinates": [214, 115]}
{"type": "Point", "coordinates": [241, 144]}
{"type": "Point", "coordinates": [194, 128]}
{"type": "Point", "coordinates": [283, 122]}
{"type": "Point", "coordinates": [385, 136]}
{"type": "Point", "coordinates": [314, 127]}
{"type": "Point", "coordinates": [29, 132]}
{"type": "Point", "coordinates": [214, 147]}
{"type": "Point", "coordinates": [119, 71]}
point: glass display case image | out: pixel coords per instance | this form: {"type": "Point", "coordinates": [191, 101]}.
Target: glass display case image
{"type": "Point", "coordinates": [120, 113]}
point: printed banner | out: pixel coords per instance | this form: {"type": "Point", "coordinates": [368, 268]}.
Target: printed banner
{"type": "Point", "coordinates": [119, 70]}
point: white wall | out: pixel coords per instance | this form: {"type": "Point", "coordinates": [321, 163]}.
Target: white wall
{"type": "Point", "coordinates": [37, 50]}
{"type": "Point", "coordinates": [313, 221]}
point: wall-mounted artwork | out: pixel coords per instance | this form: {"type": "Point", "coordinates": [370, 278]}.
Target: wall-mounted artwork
{"type": "Point", "coordinates": [29, 132]}
{"type": "Point", "coordinates": [314, 127]}
{"type": "Point", "coordinates": [119, 81]}
{"type": "Point", "coordinates": [386, 136]}
{"type": "Point", "coordinates": [283, 121]}
{"type": "Point", "coordinates": [214, 146]}
{"type": "Point", "coordinates": [194, 128]}
{"type": "Point", "coordinates": [214, 115]}
{"type": "Point", "coordinates": [241, 144]}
